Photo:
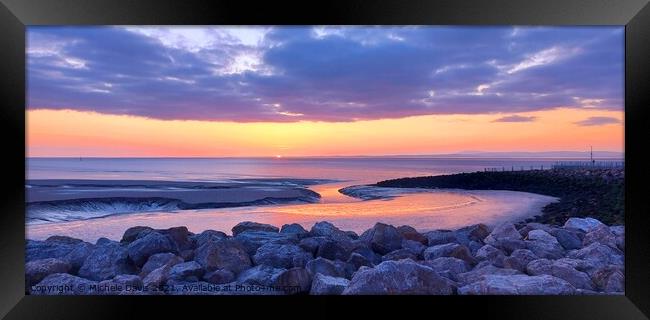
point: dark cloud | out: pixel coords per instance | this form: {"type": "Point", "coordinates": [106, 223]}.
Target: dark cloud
{"type": "Point", "coordinates": [516, 118]}
{"type": "Point", "coordinates": [330, 74]}
{"type": "Point", "coordinates": [598, 121]}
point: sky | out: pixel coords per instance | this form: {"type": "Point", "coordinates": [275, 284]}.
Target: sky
{"type": "Point", "coordinates": [308, 91]}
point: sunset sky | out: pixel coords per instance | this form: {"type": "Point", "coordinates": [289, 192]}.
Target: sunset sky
{"type": "Point", "coordinates": [322, 91]}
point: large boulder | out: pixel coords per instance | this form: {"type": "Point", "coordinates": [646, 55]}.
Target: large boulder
{"type": "Point", "coordinates": [281, 256]}
{"type": "Point", "coordinates": [121, 284]}
{"type": "Point", "coordinates": [180, 236]}
{"type": "Point", "coordinates": [414, 247]}
{"type": "Point", "coordinates": [158, 260]}
{"type": "Point", "coordinates": [107, 261]}
{"type": "Point", "coordinates": [583, 224]}
{"type": "Point", "coordinates": [152, 243]}
{"type": "Point", "coordinates": [610, 279]}
{"type": "Point", "coordinates": [440, 237]}
{"type": "Point", "coordinates": [503, 231]}
{"type": "Point", "coordinates": [226, 254]}
{"type": "Point", "coordinates": [518, 285]}
{"type": "Point", "coordinates": [326, 229]}
{"type": "Point", "coordinates": [568, 239]}
{"type": "Point", "coordinates": [448, 266]}
{"type": "Point", "coordinates": [507, 245]}
{"type": "Point", "coordinates": [254, 226]}
{"type": "Point", "coordinates": [334, 250]}
{"type": "Point", "coordinates": [449, 250]}
{"type": "Point", "coordinates": [325, 267]}
{"type": "Point", "coordinates": [326, 285]}
{"type": "Point", "coordinates": [294, 228]}
{"type": "Point", "coordinates": [383, 238]}
{"type": "Point", "coordinates": [519, 259]}
{"type": "Point", "coordinates": [398, 277]}
{"type": "Point", "coordinates": [598, 254]}
{"type": "Point", "coordinates": [133, 233]}
{"type": "Point", "coordinates": [252, 240]}
{"type": "Point", "coordinates": [70, 250]}
{"type": "Point", "coordinates": [601, 234]}
{"type": "Point", "coordinates": [312, 244]}
{"type": "Point", "coordinates": [477, 232]}
{"type": "Point", "coordinates": [491, 254]}
{"type": "Point", "coordinates": [262, 275]}
{"type": "Point", "coordinates": [399, 255]}
{"type": "Point", "coordinates": [409, 233]}
{"type": "Point", "coordinates": [219, 277]}
{"type": "Point", "coordinates": [156, 279]}
{"type": "Point", "coordinates": [207, 236]}
{"type": "Point", "coordinates": [480, 271]}
{"type": "Point", "coordinates": [188, 271]}
{"type": "Point", "coordinates": [544, 248]}
{"type": "Point", "coordinates": [560, 270]}
{"type": "Point", "coordinates": [294, 281]}
{"type": "Point", "coordinates": [63, 284]}
{"type": "Point", "coordinates": [37, 270]}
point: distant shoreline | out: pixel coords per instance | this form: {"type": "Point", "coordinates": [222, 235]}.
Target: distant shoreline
{"type": "Point", "coordinates": [597, 193]}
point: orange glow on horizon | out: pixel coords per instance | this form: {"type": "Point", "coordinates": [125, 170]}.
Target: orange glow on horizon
{"type": "Point", "coordinates": [72, 133]}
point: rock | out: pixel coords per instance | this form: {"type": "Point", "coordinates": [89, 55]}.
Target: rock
{"type": "Point", "coordinates": [491, 254]}
{"type": "Point", "coordinates": [560, 270]}
{"type": "Point", "coordinates": [357, 261]}
{"type": "Point", "coordinates": [440, 237]}
{"type": "Point", "coordinates": [584, 224]}
{"type": "Point", "coordinates": [123, 283]}
{"type": "Point", "coordinates": [508, 246]}
{"type": "Point", "coordinates": [398, 277]}
{"type": "Point", "coordinates": [254, 226]}
{"type": "Point", "coordinates": [601, 234]}
{"type": "Point", "coordinates": [77, 256]}
{"type": "Point", "coordinates": [544, 249]}
{"type": "Point", "coordinates": [37, 270]}
{"type": "Point", "coordinates": [262, 275]}
{"type": "Point", "coordinates": [106, 262]}
{"type": "Point", "coordinates": [409, 233]}
{"type": "Point", "coordinates": [399, 255]}
{"type": "Point", "coordinates": [368, 253]}
{"type": "Point", "coordinates": [294, 281]}
{"type": "Point", "coordinates": [219, 277]}
{"type": "Point", "coordinates": [62, 248]}
{"type": "Point", "coordinates": [333, 250]}
{"type": "Point", "coordinates": [503, 231]}
{"type": "Point", "coordinates": [293, 228]}
{"type": "Point", "coordinates": [518, 285]}
{"type": "Point", "coordinates": [609, 279]}
{"type": "Point", "coordinates": [63, 240]}
{"type": "Point", "coordinates": [157, 278]}
{"type": "Point", "coordinates": [191, 270]}
{"type": "Point", "coordinates": [326, 285]}
{"type": "Point", "coordinates": [352, 235]}
{"type": "Point", "coordinates": [449, 250]}
{"type": "Point", "coordinates": [158, 260]}
{"type": "Point", "coordinates": [414, 247]}
{"type": "Point", "coordinates": [325, 267]}
{"type": "Point", "coordinates": [383, 238]}
{"type": "Point", "coordinates": [617, 230]}
{"type": "Point", "coordinates": [519, 259]}
{"type": "Point", "coordinates": [206, 236]}
{"type": "Point", "coordinates": [180, 236]}
{"type": "Point", "coordinates": [448, 266]}
{"type": "Point", "coordinates": [151, 243]}
{"type": "Point", "coordinates": [477, 232]}
{"type": "Point", "coordinates": [598, 254]}
{"type": "Point", "coordinates": [312, 244]}
{"type": "Point", "coordinates": [541, 235]}
{"type": "Point", "coordinates": [326, 229]}
{"type": "Point", "coordinates": [568, 240]}
{"type": "Point", "coordinates": [281, 256]}
{"type": "Point", "coordinates": [226, 254]}
{"type": "Point", "coordinates": [252, 240]}
{"type": "Point", "coordinates": [131, 234]}
{"type": "Point", "coordinates": [63, 284]}
{"type": "Point", "coordinates": [480, 271]}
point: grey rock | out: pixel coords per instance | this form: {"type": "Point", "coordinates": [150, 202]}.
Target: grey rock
{"type": "Point", "coordinates": [569, 240]}
{"type": "Point", "coordinates": [157, 278]}
{"type": "Point", "coordinates": [325, 267]}
{"type": "Point", "coordinates": [219, 277]}
{"type": "Point", "coordinates": [226, 254]}
{"type": "Point", "coordinates": [207, 236]}
{"type": "Point", "coordinates": [519, 259]}
{"type": "Point", "coordinates": [508, 246]}
{"type": "Point", "coordinates": [560, 270]}
{"type": "Point", "coordinates": [312, 244]}
{"type": "Point", "coordinates": [544, 249]}
{"type": "Point", "coordinates": [158, 260]}
{"type": "Point", "coordinates": [254, 226]}
{"type": "Point", "coordinates": [491, 254]}
{"type": "Point", "coordinates": [367, 252]}
{"type": "Point", "coordinates": [293, 228]}
{"type": "Point", "coordinates": [398, 277]}
{"type": "Point", "coordinates": [518, 285]}
{"type": "Point", "coordinates": [479, 271]}
{"type": "Point", "coordinates": [294, 281]}
{"type": "Point", "coordinates": [584, 224]}
{"type": "Point", "coordinates": [541, 235]}
{"type": "Point", "coordinates": [598, 254]}
{"type": "Point", "coordinates": [131, 234]}
{"type": "Point", "coordinates": [357, 261]}
{"type": "Point", "coordinates": [601, 234]}
{"type": "Point", "coordinates": [151, 243]}
{"type": "Point", "coordinates": [326, 229]}
{"type": "Point", "coordinates": [185, 270]}
{"type": "Point", "coordinates": [37, 270]}
{"type": "Point", "coordinates": [106, 262]}
{"type": "Point", "coordinates": [383, 238]}
{"type": "Point", "coordinates": [503, 231]}
{"type": "Point", "coordinates": [409, 233]}
{"type": "Point", "coordinates": [477, 232]}
{"type": "Point", "coordinates": [180, 237]}
{"type": "Point", "coordinates": [438, 237]}
{"type": "Point", "coordinates": [333, 250]}
{"type": "Point", "coordinates": [123, 283]}
{"type": "Point", "coordinates": [281, 256]}
{"type": "Point", "coordinates": [414, 247]}
{"type": "Point", "coordinates": [63, 284]}
{"type": "Point", "coordinates": [449, 250]}
{"type": "Point", "coordinates": [448, 266]}
{"type": "Point", "coordinates": [262, 275]}
{"type": "Point", "coordinates": [609, 278]}
{"type": "Point", "coordinates": [252, 240]}
{"type": "Point", "coordinates": [326, 285]}
{"type": "Point", "coordinates": [399, 255]}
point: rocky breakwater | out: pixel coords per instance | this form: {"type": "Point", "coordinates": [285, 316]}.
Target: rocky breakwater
{"type": "Point", "coordinates": [584, 256]}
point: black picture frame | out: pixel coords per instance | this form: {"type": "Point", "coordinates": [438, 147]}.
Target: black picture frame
{"type": "Point", "coordinates": [634, 14]}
